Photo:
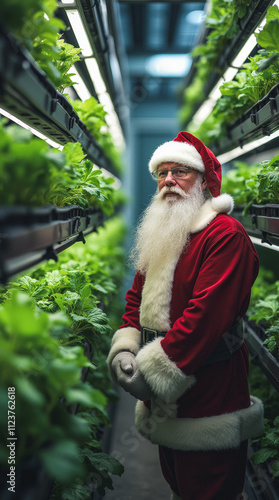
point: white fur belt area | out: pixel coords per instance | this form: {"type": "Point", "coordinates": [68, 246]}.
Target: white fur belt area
{"type": "Point", "coordinates": [220, 432]}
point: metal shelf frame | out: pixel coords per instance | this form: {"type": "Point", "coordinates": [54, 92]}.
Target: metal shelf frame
{"type": "Point", "coordinates": [30, 236]}
{"type": "Point", "coordinates": [262, 221]}
{"type": "Point", "coordinates": [261, 119]}
{"type": "Point", "coordinates": [106, 53]}
{"type": "Point", "coordinates": [26, 93]}
{"type": "Point", "coordinates": [261, 356]}
{"type": "Point", "coordinates": [247, 25]}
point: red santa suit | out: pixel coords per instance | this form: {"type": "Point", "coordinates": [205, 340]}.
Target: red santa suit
{"type": "Point", "coordinates": [201, 415]}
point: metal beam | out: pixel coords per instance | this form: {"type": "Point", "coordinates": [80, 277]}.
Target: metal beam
{"type": "Point", "coordinates": [175, 11]}
{"type": "Point", "coordinates": [138, 17]}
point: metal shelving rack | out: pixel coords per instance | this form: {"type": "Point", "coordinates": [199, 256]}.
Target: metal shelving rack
{"type": "Point", "coordinates": [30, 96]}
{"type": "Point", "coordinates": [261, 119]}
{"type": "Point", "coordinates": [247, 25]}
{"type": "Point", "coordinates": [261, 222]}
{"type": "Point", "coordinates": [30, 235]}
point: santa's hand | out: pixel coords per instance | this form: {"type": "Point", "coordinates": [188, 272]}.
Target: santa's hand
{"type": "Point", "coordinates": [136, 385]}
{"type": "Point", "coordinates": [124, 363]}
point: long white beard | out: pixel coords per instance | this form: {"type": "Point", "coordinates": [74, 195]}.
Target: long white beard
{"type": "Point", "coordinates": [165, 224]}
{"type": "Point", "coordinates": [161, 238]}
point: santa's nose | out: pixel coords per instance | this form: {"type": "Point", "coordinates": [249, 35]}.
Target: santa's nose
{"type": "Point", "coordinates": [170, 180]}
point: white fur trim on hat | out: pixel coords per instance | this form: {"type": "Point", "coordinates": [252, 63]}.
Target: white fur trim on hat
{"type": "Point", "coordinates": [178, 152]}
{"type": "Point", "coordinates": [220, 432]}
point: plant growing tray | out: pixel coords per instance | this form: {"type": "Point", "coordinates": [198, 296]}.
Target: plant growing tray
{"type": "Point", "coordinates": [261, 221]}
{"type": "Point", "coordinates": [255, 12]}
{"type": "Point", "coordinates": [30, 235]}
{"type": "Point", "coordinates": [261, 119]}
{"type": "Point", "coordinates": [26, 93]}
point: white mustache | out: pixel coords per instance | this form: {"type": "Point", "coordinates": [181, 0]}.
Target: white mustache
{"type": "Point", "coordinates": [177, 190]}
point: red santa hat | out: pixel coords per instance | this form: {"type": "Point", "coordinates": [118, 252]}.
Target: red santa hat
{"type": "Point", "coordinates": [188, 150]}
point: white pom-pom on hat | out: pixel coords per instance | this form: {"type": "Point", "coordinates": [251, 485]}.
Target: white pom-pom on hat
{"type": "Point", "coordinates": [223, 203]}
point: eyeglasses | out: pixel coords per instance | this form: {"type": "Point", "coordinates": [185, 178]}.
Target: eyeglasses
{"type": "Point", "coordinates": [177, 173]}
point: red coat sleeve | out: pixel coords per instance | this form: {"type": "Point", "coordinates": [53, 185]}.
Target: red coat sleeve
{"type": "Point", "coordinates": [220, 298]}
{"type": "Point", "coordinates": [133, 300]}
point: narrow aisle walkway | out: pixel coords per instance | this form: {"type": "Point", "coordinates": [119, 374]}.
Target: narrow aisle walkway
{"type": "Point", "coordinates": [142, 479]}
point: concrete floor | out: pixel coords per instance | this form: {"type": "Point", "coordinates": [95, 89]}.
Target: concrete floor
{"type": "Point", "coordinates": [142, 479]}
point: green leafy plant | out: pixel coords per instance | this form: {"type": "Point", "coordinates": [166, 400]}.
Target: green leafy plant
{"type": "Point", "coordinates": [268, 453]}
{"type": "Point", "coordinates": [41, 370]}
{"type": "Point", "coordinates": [264, 308]}
{"type": "Point", "coordinates": [34, 23]}
{"type": "Point", "coordinates": [222, 22]}
{"type": "Point", "coordinates": [252, 83]}
{"type": "Point", "coordinates": [268, 182]}
{"type": "Point", "coordinates": [240, 182]}
{"type": "Point", "coordinates": [93, 114]}
{"type": "Point", "coordinates": [58, 178]}
{"type": "Point", "coordinates": [253, 184]}
{"type": "Point", "coordinates": [50, 299]}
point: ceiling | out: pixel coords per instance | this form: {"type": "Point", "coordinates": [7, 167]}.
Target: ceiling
{"type": "Point", "coordinates": [160, 29]}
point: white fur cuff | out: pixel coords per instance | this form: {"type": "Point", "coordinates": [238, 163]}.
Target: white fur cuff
{"type": "Point", "coordinates": [166, 380]}
{"type": "Point", "coordinates": [125, 339]}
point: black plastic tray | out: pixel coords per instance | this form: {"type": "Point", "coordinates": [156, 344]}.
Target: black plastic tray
{"type": "Point", "coordinates": [26, 93]}
{"type": "Point", "coordinates": [247, 25]}
{"type": "Point", "coordinates": [29, 236]}
{"type": "Point", "coordinates": [261, 119]}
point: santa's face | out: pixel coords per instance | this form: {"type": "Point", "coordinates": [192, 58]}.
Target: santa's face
{"type": "Point", "coordinates": [170, 182]}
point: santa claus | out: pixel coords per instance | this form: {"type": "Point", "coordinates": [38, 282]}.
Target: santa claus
{"type": "Point", "coordinates": [180, 350]}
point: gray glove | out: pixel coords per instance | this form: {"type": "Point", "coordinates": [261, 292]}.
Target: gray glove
{"type": "Point", "coordinates": [129, 376]}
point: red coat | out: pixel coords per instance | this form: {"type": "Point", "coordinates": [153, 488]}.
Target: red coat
{"type": "Point", "coordinates": [210, 293]}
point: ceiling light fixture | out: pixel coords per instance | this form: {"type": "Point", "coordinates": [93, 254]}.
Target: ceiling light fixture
{"type": "Point", "coordinates": [31, 129]}
{"type": "Point", "coordinates": [80, 33]}
{"type": "Point", "coordinates": [168, 65]}
{"type": "Point", "coordinates": [79, 85]}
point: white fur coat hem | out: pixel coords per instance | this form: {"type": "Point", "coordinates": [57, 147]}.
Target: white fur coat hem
{"type": "Point", "coordinates": [221, 432]}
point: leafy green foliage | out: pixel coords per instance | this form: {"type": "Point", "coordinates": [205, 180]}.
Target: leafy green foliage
{"type": "Point", "coordinates": [34, 24]}
{"type": "Point", "coordinates": [264, 308]}
{"type": "Point", "coordinates": [257, 184]}
{"type": "Point", "coordinates": [41, 370]}
{"type": "Point", "coordinates": [269, 447]}
{"type": "Point", "coordinates": [262, 388]}
{"type": "Point", "coordinates": [222, 22]}
{"type": "Point", "coordinates": [93, 114]}
{"type": "Point", "coordinates": [58, 178]}
{"type": "Point", "coordinates": [252, 83]}
{"type": "Point", "coordinates": [268, 182]}
{"type": "Point", "coordinates": [44, 317]}
{"type": "Point", "coordinates": [240, 182]}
